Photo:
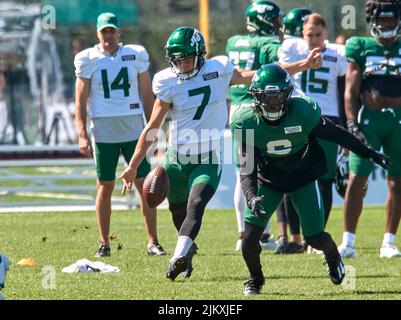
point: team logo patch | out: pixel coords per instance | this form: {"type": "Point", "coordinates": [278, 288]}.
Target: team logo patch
{"type": "Point", "coordinates": [210, 76]}
{"type": "Point", "coordinates": [134, 106]}
{"type": "Point", "coordinates": [329, 58]}
{"type": "Point", "coordinates": [129, 57]}
{"type": "Point", "coordinates": [290, 130]}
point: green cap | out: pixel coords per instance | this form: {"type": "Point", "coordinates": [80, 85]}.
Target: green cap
{"type": "Point", "coordinates": [107, 19]}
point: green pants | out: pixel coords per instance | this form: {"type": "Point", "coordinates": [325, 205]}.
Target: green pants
{"type": "Point", "coordinates": [382, 128]}
{"type": "Point", "coordinates": [307, 202]}
{"type": "Point", "coordinates": [184, 172]}
{"type": "Point", "coordinates": [107, 155]}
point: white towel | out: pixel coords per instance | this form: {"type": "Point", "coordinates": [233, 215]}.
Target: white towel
{"type": "Point", "coordinates": [85, 265]}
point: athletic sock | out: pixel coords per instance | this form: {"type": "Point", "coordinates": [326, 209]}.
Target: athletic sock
{"type": "Point", "coordinates": [349, 238]}
{"type": "Point", "coordinates": [388, 239]}
{"type": "Point", "coordinates": [182, 247]}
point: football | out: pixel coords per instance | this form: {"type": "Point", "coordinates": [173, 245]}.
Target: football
{"type": "Point", "coordinates": [155, 187]}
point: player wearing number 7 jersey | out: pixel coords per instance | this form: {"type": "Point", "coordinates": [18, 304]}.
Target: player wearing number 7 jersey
{"type": "Point", "coordinates": [194, 90]}
{"type": "Point", "coordinates": [113, 79]}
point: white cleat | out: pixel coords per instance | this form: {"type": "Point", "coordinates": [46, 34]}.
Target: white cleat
{"type": "Point", "coordinates": [268, 243]}
{"type": "Point", "coordinates": [347, 251]}
{"type": "Point", "coordinates": [238, 246]}
{"type": "Point", "coordinates": [389, 251]}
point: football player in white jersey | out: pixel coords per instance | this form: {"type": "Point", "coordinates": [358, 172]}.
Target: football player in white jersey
{"type": "Point", "coordinates": [325, 86]}
{"type": "Point", "coordinates": [114, 82]}
{"type": "Point", "coordinates": [195, 92]}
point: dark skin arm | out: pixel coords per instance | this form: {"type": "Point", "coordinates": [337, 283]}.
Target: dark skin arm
{"type": "Point", "coordinates": [353, 82]}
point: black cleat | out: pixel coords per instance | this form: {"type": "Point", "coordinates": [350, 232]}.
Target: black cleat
{"type": "Point", "coordinates": [254, 285]}
{"type": "Point", "coordinates": [192, 251]}
{"type": "Point", "coordinates": [282, 243]}
{"type": "Point", "coordinates": [156, 249]}
{"type": "Point", "coordinates": [176, 267]}
{"type": "Point", "coordinates": [292, 247]}
{"type": "Point", "coordinates": [103, 251]}
{"type": "Point", "coordinates": [335, 267]}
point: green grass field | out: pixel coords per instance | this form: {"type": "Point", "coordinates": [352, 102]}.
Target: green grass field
{"type": "Point", "coordinates": [59, 239]}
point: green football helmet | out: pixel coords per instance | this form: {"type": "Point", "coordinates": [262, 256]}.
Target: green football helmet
{"type": "Point", "coordinates": [264, 18]}
{"type": "Point", "coordinates": [390, 9]}
{"type": "Point", "coordinates": [182, 43]}
{"type": "Point", "coordinates": [294, 21]}
{"type": "Point", "coordinates": [271, 89]}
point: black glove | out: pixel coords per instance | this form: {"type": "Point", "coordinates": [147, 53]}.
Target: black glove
{"type": "Point", "coordinates": [353, 127]}
{"type": "Point", "coordinates": [255, 204]}
{"type": "Point", "coordinates": [379, 158]}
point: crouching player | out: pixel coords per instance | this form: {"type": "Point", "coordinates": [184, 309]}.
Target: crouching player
{"type": "Point", "coordinates": [284, 157]}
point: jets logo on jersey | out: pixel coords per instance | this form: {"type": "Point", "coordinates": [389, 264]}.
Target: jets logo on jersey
{"type": "Point", "coordinates": [210, 76]}
{"type": "Point", "coordinates": [289, 130]}
{"type": "Point", "coordinates": [128, 57]}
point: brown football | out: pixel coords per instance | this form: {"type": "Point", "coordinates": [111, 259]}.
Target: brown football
{"type": "Point", "coordinates": [155, 187]}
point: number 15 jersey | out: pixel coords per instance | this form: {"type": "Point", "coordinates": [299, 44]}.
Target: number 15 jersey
{"type": "Point", "coordinates": [320, 84]}
{"type": "Point", "coordinates": [114, 79]}
{"type": "Point", "coordinates": [199, 110]}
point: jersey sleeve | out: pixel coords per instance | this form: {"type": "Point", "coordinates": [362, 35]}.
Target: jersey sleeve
{"type": "Point", "coordinates": [288, 52]}
{"type": "Point", "coordinates": [353, 50]}
{"type": "Point", "coordinates": [342, 61]}
{"type": "Point", "coordinates": [83, 65]}
{"type": "Point", "coordinates": [309, 112]}
{"type": "Point", "coordinates": [142, 60]}
{"type": "Point", "coordinates": [161, 88]}
{"type": "Point", "coordinates": [227, 68]}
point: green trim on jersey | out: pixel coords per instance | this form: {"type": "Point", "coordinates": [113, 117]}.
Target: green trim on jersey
{"type": "Point", "coordinates": [244, 51]}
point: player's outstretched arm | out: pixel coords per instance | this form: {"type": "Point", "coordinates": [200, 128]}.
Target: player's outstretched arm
{"type": "Point", "coordinates": [327, 130]}
{"type": "Point", "coordinates": [159, 112]}
{"type": "Point", "coordinates": [241, 76]}
{"type": "Point", "coordinates": [313, 61]}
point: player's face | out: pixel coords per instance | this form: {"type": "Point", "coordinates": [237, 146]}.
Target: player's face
{"type": "Point", "coordinates": [109, 38]}
{"type": "Point", "coordinates": [185, 64]}
{"type": "Point", "coordinates": [314, 35]}
{"type": "Point", "coordinates": [387, 24]}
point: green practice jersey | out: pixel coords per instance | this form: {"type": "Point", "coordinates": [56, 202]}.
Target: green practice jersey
{"type": "Point", "coordinates": [284, 139]}
{"type": "Point", "coordinates": [269, 53]}
{"type": "Point", "coordinates": [369, 54]}
{"type": "Point", "coordinates": [245, 53]}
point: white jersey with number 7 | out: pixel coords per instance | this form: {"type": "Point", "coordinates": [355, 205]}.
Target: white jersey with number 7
{"type": "Point", "coordinates": [198, 104]}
